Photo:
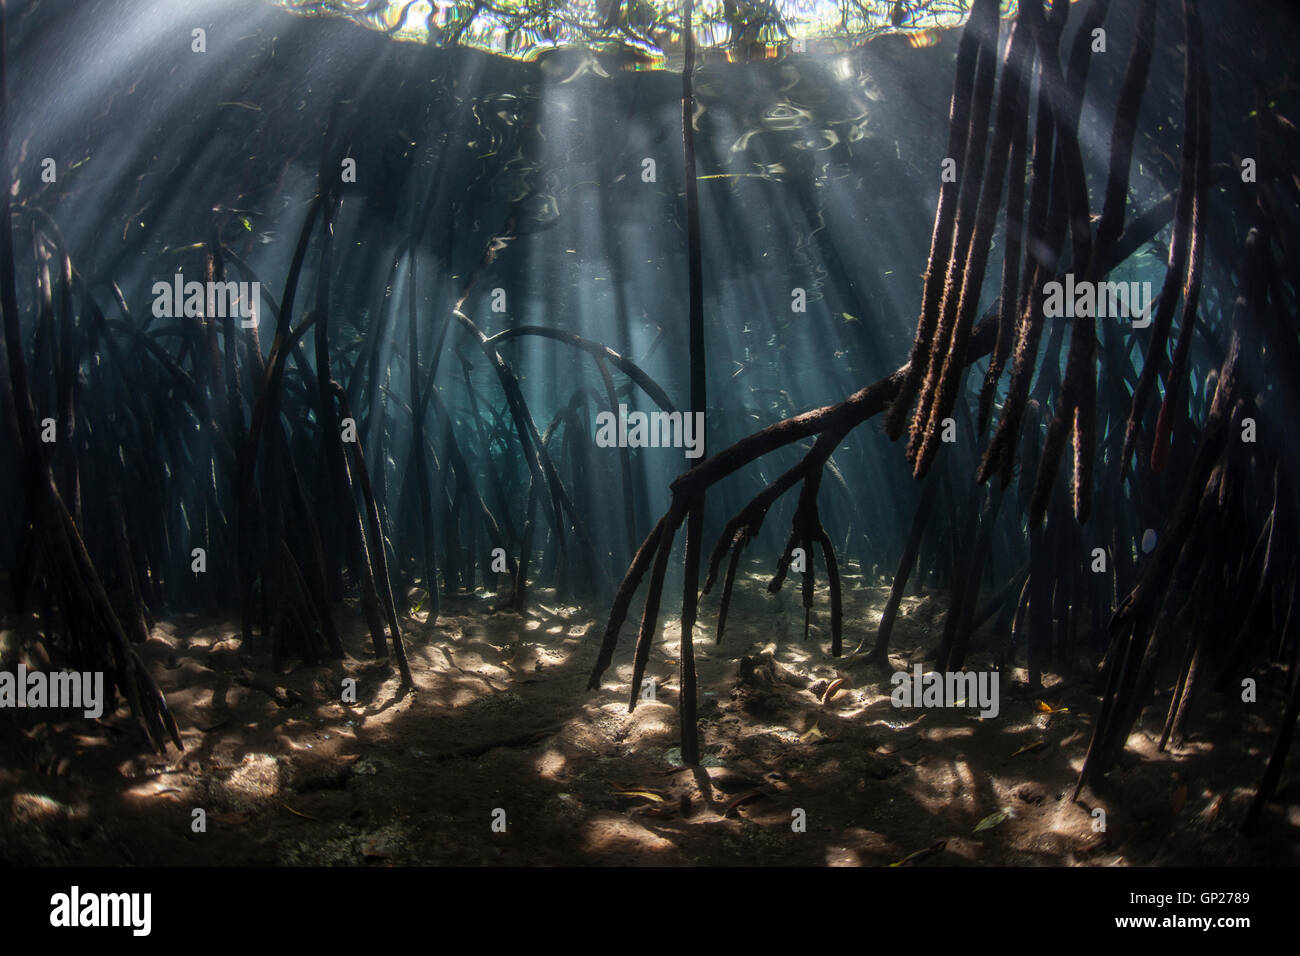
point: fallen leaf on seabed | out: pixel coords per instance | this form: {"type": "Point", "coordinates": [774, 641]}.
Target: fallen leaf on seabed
{"type": "Point", "coordinates": [914, 858]}
{"type": "Point", "coordinates": [659, 812]}
{"type": "Point", "coordinates": [993, 819]}
{"type": "Point", "coordinates": [647, 795]}
{"type": "Point", "coordinates": [1030, 748]}
{"type": "Point", "coordinates": [297, 813]}
{"type": "Point", "coordinates": [833, 688]}
{"type": "Point", "coordinates": [735, 802]}
{"type": "Point", "coordinates": [230, 819]}
{"type": "Point", "coordinates": [814, 733]}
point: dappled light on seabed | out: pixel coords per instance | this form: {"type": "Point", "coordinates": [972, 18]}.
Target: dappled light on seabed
{"type": "Point", "coordinates": [648, 432]}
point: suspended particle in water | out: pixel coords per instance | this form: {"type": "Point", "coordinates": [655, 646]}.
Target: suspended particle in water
{"type": "Point", "coordinates": [1148, 540]}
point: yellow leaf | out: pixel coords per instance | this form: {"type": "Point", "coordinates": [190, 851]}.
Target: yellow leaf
{"type": "Point", "coordinates": [921, 854]}
{"type": "Point", "coordinates": [993, 819]}
{"type": "Point", "coordinates": [814, 733]}
{"type": "Point", "coordinates": [640, 795]}
{"type": "Point", "coordinates": [296, 813]}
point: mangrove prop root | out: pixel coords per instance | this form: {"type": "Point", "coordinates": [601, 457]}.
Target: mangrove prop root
{"type": "Point", "coordinates": [951, 364]}
{"type": "Point", "coordinates": [944, 217]}
{"type": "Point", "coordinates": [1197, 117]}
